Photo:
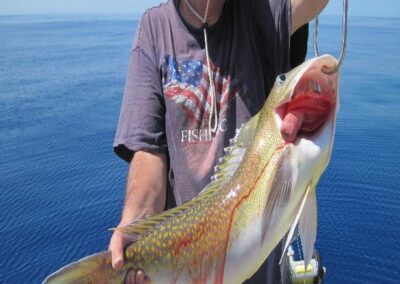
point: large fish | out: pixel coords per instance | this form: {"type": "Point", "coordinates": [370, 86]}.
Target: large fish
{"type": "Point", "coordinates": [262, 189]}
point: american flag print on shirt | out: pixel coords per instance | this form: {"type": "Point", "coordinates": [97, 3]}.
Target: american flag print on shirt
{"type": "Point", "coordinates": [187, 84]}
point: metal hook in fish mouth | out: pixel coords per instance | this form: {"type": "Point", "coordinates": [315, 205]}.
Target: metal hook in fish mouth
{"type": "Point", "coordinates": [333, 69]}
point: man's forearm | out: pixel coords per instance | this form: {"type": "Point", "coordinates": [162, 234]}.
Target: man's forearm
{"type": "Point", "coordinates": [304, 11]}
{"type": "Point", "coordinates": [146, 186]}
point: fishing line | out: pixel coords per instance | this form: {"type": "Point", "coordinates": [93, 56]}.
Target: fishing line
{"type": "Point", "coordinates": [213, 110]}
{"type": "Point", "coordinates": [326, 69]}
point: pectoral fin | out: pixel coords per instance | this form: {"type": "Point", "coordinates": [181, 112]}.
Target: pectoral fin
{"type": "Point", "coordinates": [281, 189]}
{"type": "Point", "coordinates": [308, 226]}
{"type": "Point", "coordinates": [310, 189]}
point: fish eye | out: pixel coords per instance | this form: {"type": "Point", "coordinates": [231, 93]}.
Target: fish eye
{"type": "Point", "coordinates": [281, 79]}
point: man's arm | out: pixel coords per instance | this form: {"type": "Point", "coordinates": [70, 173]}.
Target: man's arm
{"type": "Point", "coordinates": [145, 195]}
{"type": "Point", "coordinates": [304, 11]}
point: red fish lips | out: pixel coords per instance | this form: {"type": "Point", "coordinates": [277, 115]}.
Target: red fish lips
{"type": "Point", "coordinates": [310, 107]}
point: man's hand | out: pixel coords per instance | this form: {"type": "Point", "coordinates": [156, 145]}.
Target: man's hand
{"type": "Point", "coordinates": [117, 244]}
{"type": "Point", "coordinates": [145, 195]}
{"type": "Point", "coordinates": [304, 11]}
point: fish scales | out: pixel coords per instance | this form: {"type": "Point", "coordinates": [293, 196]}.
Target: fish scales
{"type": "Point", "coordinates": [257, 196]}
{"type": "Point", "coordinates": [202, 232]}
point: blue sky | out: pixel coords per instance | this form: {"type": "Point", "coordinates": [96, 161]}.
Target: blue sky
{"type": "Point", "coordinates": [380, 8]}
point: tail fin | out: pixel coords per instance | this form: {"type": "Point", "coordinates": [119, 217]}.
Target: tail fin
{"type": "Point", "coordinates": [95, 268]}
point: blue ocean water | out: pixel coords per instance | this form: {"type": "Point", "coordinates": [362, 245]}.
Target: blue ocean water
{"type": "Point", "coordinates": [61, 186]}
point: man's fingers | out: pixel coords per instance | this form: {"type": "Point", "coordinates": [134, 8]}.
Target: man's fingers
{"type": "Point", "coordinates": [117, 259]}
{"type": "Point", "coordinates": [140, 277]}
{"type": "Point", "coordinates": [117, 251]}
{"type": "Point", "coordinates": [131, 277]}
{"type": "Point", "coordinates": [117, 262]}
{"type": "Point", "coordinates": [136, 277]}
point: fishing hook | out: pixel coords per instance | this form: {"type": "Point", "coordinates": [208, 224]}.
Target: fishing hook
{"type": "Point", "coordinates": [326, 69]}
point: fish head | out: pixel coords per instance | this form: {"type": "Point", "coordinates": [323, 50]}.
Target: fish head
{"type": "Point", "coordinates": [311, 97]}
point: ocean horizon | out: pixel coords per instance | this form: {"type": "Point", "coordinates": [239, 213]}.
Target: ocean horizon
{"type": "Point", "coordinates": [62, 187]}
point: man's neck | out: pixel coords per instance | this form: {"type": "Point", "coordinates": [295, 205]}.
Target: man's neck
{"type": "Point", "coordinates": [214, 11]}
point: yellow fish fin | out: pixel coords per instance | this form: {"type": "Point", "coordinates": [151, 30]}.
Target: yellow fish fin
{"type": "Point", "coordinates": [281, 188]}
{"type": "Point", "coordinates": [138, 227]}
{"type": "Point", "coordinates": [308, 226]}
{"type": "Point", "coordinates": [289, 238]}
{"type": "Point", "coordinates": [228, 164]}
{"type": "Point", "coordinates": [95, 268]}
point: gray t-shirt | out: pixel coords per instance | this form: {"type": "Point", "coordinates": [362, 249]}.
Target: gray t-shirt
{"type": "Point", "coordinates": [166, 101]}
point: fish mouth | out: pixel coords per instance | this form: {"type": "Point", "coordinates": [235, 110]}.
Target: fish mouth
{"type": "Point", "coordinates": [312, 105]}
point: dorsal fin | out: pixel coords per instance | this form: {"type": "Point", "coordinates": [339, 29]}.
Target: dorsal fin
{"type": "Point", "coordinates": [234, 153]}
{"type": "Point", "coordinates": [226, 167]}
{"type": "Point", "coordinates": [141, 226]}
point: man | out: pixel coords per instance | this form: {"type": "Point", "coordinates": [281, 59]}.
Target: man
{"type": "Point", "coordinates": [188, 89]}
